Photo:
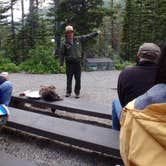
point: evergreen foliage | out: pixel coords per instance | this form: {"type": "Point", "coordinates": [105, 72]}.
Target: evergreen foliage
{"type": "Point", "coordinates": [40, 60]}
{"type": "Point", "coordinates": [125, 25]}
{"type": "Point", "coordinates": [83, 15]}
{"type": "Point", "coordinates": [144, 21]}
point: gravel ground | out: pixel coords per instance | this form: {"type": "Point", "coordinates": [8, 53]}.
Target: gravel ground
{"type": "Point", "coordinates": [96, 86]}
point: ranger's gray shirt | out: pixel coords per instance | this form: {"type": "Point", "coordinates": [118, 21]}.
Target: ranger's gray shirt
{"type": "Point", "coordinates": [157, 94]}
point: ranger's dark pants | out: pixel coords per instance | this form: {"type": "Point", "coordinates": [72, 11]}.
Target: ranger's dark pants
{"type": "Point", "coordinates": [73, 69]}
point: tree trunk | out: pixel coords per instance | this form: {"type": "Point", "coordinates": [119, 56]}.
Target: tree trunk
{"type": "Point", "coordinates": [13, 29]}
{"type": "Point", "coordinates": [112, 24]}
{"type": "Point", "coordinates": [23, 29]}
{"type": "Point", "coordinates": [57, 36]}
{"type": "Point", "coordinates": [22, 12]}
{"type": "Point", "coordinates": [31, 13]}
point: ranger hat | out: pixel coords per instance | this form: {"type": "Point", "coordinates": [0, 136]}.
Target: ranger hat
{"type": "Point", "coordinates": [149, 51]}
{"type": "Point", "coordinates": [69, 28]}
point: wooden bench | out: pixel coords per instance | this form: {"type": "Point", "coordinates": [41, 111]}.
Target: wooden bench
{"type": "Point", "coordinates": [69, 105]}
{"type": "Point", "coordinates": [8, 160]}
{"type": "Point", "coordinates": [92, 137]}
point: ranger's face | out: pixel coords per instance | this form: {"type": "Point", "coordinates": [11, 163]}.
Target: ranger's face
{"type": "Point", "coordinates": [69, 34]}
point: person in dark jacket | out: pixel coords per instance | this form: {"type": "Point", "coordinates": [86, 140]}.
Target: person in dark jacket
{"type": "Point", "coordinates": [72, 54]}
{"type": "Point", "coordinates": [157, 94]}
{"type": "Point", "coordinates": [135, 81]}
{"type": "Point", "coordinates": [5, 89]}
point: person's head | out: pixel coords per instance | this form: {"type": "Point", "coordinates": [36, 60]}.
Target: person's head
{"type": "Point", "coordinates": [149, 52]}
{"type": "Point", "coordinates": [161, 75]}
{"type": "Point", "coordinates": [69, 31]}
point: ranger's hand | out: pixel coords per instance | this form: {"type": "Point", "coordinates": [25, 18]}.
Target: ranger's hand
{"type": "Point", "coordinates": [99, 32]}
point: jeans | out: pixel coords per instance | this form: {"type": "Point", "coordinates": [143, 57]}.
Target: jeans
{"type": "Point", "coordinates": [116, 112]}
{"type": "Point", "coordinates": [5, 92]}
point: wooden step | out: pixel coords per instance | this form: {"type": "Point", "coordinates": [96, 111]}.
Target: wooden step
{"type": "Point", "coordinates": [75, 133]}
{"type": "Point", "coordinates": [70, 105]}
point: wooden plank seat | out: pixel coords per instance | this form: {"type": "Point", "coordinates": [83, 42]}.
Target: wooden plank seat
{"type": "Point", "coordinates": [95, 138]}
{"type": "Point", "coordinates": [8, 160]}
{"type": "Point", "coordinates": [70, 105]}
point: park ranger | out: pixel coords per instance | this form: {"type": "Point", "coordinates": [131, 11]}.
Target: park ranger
{"type": "Point", "coordinates": [71, 52]}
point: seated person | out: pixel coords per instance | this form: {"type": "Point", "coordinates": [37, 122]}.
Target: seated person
{"type": "Point", "coordinates": [157, 94]}
{"type": "Point", "coordinates": [5, 89]}
{"type": "Point", "coordinates": [134, 81]}
{"type": "Point", "coordinates": [143, 124]}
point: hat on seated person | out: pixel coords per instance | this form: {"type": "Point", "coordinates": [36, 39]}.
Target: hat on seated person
{"type": "Point", "coordinates": [149, 52]}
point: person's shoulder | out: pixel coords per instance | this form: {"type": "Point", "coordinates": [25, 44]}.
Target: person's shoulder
{"type": "Point", "coordinates": [156, 94]}
{"type": "Point", "coordinates": [63, 43]}
{"type": "Point", "coordinates": [128, 73]}
{"type": "Point", "coordinates": [128, 70]}
{"type": "Point", "coordinates": [63, 40]}
{"type": "Point", "coordinates": [156, 91]}
{"type": "Point", "coordinates": [158, 87]}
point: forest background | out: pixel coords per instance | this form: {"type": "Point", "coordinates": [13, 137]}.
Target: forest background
{"type": "Point", "coordinates": [32, 42]}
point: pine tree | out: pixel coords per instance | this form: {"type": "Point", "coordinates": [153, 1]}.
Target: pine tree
{"type": "Point", "coordinates": [144, 21]}
{"type": "Point", "coordinates": [128, 30]}
{"type": "Point", "coordinates": [3, 21]}
{"type": "Point", "coordinates": [83, 15]}
{"type": "Point", "coordinates": [32, 31]}
{"type": "Point", "coordinates": [161, 17]}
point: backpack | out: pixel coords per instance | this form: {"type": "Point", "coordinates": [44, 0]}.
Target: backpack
{"type": "Point", "coordinates": [48, 93]}
{"type": "Point", "coordinates": [143, 136]}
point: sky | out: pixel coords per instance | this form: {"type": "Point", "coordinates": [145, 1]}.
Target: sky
{"type": "Point", "coordinates": [17, 8]}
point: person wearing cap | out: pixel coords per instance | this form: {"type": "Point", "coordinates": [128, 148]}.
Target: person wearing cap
{"type": "Point", "coordinates": [71, 53]}
{"type": "Point", "coordinates": [156, 94]}
{"type": "Point", "coordinates": [135, 81]}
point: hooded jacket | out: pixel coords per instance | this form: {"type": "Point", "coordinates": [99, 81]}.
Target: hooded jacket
{"type": "Point", "coordinates": [157, 94]}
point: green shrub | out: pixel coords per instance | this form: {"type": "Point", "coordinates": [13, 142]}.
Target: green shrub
{"type": "Point", "coordinates": [41, 61]}
{"type": "Point", "coordinates": [123, 64]}
{"type": "Point", "coordinates": [9, 67]}
{"type": "Point", "coordinates": [6, 64]}
{"type": "Point", "coordinates": [119, 63]}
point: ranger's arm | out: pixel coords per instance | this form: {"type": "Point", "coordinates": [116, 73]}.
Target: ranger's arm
{"type": "Point", "coordinates": [87, 36]}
